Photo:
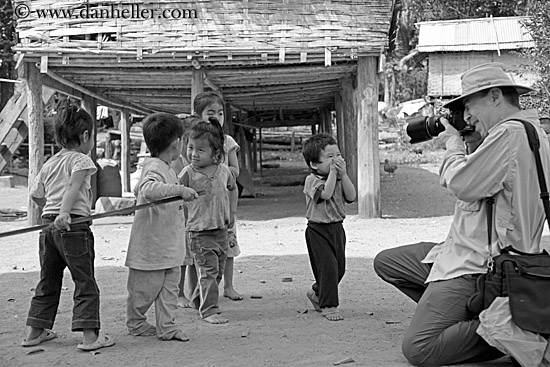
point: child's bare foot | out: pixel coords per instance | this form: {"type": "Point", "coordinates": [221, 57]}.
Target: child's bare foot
{"type": "Point", "coordinates": [216, 319]}
{"type": "Point", "coordinates": [232, 294]}
{"type": "Point", "coordinates": [183, 302]}
{"type": "Point", "coordinates": [332, 314]}
{"type": "Point", "coordinates": [150, 331]}
{"type": "Point", "coordinates": [313, 299]}
{"type": "Point", "coordinates": [180, 336]}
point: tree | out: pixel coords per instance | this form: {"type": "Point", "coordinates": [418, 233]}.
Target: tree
{"type": "Point", "coordinates": [7, 41]}
{"type": "Point", "coordinates": [410, 82]}
{"type": "Point", "coordinates": [539, 28]}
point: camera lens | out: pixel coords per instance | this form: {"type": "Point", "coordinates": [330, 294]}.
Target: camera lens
{"type": "Point", "coordinates": [423, 128]}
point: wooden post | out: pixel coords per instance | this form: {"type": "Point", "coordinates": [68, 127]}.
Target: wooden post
{"type": "Point", "coordinates": [197, 85]}
{"type": "Point", "coordinates": [108, 147]}
{"type": "Point", "coordinates": [350, 128]}
{"type": "Point", "coordinates": [340, 123]}
{"type": "Point", "coordinates": [368, 172]}
{"type": "Point", "coordinates": [261, 161]}
{"type": "Point", "coordinates": [89, 104]}
{"type": "Point", "coordinates": [254, 152]}
{"type": "Point", "coordinates": [228, 120]}
{"type": "Point", "coordinates": [125, 144]}
{"type": "Point", "coordinates": [36, 135]}
{"type": "Point", "coordinates": [293, 142]}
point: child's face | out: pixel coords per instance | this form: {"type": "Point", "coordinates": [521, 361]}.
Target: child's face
{"type": "Point", "coordinates": [214, 110]}
{"type": "Point", "coordinates": [200, 153]}
{"type": "Point", "coordinates": [327, 155]}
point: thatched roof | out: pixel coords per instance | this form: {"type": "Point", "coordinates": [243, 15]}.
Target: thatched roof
{"type": "Point", "coordinates": [263, 55]}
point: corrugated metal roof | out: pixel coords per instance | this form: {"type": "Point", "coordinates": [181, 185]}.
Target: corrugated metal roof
{"type": "Point", "coordinates": [480, 34]}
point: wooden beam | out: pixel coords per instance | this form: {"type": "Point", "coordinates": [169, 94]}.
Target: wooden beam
{"type": "Point", "coordinates": [326, 123]}
{"type": "Point", "coordinates": [340, 122]}
{"type": "Point", "coordinates": [349, 133]}
{"type": "Point", "coordinates": [36, 135]}
{"type": "Point", "coordinates": [125, 149]}
{"type": "Point", "coordinates": [109, 102]}
{"type": "Point", "coordinates": [368, 173]}
{"type": "Point", "coordinates": [279, 123]}
{"type": "Point", "coordinates": [197, 85]}
{"type": "Point", "coordinates": [59, 87]}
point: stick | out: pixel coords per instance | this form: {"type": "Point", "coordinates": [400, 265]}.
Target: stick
{"type": "Point", "coordinates": [97, 216]}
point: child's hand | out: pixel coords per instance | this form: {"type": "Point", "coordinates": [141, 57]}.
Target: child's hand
{"type": "Point", "coordinates": [63, 221]}
{"type": "Point", "coordinates": [332, 167]}
{"type": "Point", "coordinates": [188, 194]}
{"type": "Point", "coordinates": [340, 165]}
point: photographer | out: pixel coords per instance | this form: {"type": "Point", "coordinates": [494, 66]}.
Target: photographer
{"type": "Point", "coordinates": [441, 277]}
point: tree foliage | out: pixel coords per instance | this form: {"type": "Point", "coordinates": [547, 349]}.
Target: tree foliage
{"type": "Point", "coordinates": [7, 39]}
{"type": "Point", "coordinates": [411, 82]}
{"type": "Point", "coordinates": [539, 28]}
{"type": "Point", "coordinates": [463, 9]}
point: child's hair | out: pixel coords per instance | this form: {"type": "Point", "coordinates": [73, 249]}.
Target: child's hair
{"type": "Point", "coordinates": [213, 132]}
{"type": "Point", "coordinates": [205, 99]}
{"type": "Point", "coordinates": [160, 130]}
{"type": "Point", "coordinates": [70, 123]}
{"type": "Point", "coordinates": [313, 146]}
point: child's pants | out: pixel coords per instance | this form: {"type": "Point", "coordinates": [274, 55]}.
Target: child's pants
{"type": "Point", "coordinates": [442, 331]}
{"type": "Point", "coordinates": [326, 245]}
{"type": "Point", "coordinates": [210, 252]}
{"type": "Point", "coordinates": [59, 249]}
{"type": "Point", "coordinates": [146, 287]}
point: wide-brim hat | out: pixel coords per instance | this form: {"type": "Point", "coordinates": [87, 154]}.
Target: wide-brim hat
{"type": "Point", "coordinates": [481, 77]}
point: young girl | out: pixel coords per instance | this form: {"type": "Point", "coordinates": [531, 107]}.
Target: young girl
{"type": "Point", "coordinates": [188, 280]}
{"type": "Point", "coordinates": [210, 215]}
{"type": "Point", "coordinates": [207, 105]}
{"type": "Point", "coordinates": [63, 189]}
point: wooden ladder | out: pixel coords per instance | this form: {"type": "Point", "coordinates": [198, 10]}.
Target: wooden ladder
{"type": "Point", "coordinates": [13, 123]}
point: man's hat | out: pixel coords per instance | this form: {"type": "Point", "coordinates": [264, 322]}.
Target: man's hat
{"type": "Point", "coordinates": [481, 77]}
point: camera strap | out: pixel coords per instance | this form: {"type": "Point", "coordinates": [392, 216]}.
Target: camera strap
{"type": "Point", "coordinates": [534, 145]}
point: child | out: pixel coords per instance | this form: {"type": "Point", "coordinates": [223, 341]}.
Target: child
{"type": "Point", "coordinates": [185, 287]}
{"type": "Point", "coordinates": [207, 105]}
{"type": "Point", "coordinates": [63, 189]}
{"type": "Point", "coordinates": [326, 189]}
{"type": "Point", "coordinates": [209, 216]}
{"type": "Point", "coordinates": [157, 249]}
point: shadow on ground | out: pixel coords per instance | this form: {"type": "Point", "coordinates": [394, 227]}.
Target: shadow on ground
{"type": "Point", "coordinates": [280, 329]}
{"type": "Point", "coordinates": [410, 193]}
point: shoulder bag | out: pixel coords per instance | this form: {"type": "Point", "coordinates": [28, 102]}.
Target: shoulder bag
{"type": "Point", "coordinates": [523, 277]}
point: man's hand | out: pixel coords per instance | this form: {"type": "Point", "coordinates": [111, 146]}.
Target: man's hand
{"type": "Point", "coordinates": [449, 129]}
{"type": "Point", "coordinates": [188, 194]}
{"type": "Point", "coordinates": [63, 221]}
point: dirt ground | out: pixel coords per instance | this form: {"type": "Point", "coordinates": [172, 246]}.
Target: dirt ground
{"type": "Point", "coordinates": [281, 328]}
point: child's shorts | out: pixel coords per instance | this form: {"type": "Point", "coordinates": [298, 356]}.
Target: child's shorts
{"type": "Point", "coordinates": [233, 246]}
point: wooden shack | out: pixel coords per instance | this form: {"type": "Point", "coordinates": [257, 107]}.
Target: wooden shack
{"type": "Point", "coordinates": [454, 46]}
{"type": "Point", "coordinates": [276, 62]}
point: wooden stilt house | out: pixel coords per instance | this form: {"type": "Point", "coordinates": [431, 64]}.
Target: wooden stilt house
{"type": "Point", "coordinates": [276, 62]}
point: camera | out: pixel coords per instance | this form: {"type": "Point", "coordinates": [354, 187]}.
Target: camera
{"type": "Point", "coordinates": [424, 128]}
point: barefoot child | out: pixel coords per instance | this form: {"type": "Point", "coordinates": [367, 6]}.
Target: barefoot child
{"type": "Point", "coordinates": [326, 189]}
{"type": "Point", "coordinates": [157, 248]}
{"type": "Point", "coordinates": [207, 105]}
{"type": "Point", "coordinates": [186, 287]}
{"type": "Point", "coordinates": [210, 215]}
{"type": "Point", "coordinates": [63, 189]}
